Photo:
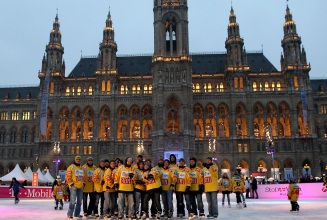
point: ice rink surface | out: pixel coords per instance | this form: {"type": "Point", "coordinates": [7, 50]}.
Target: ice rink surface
{"type": "Point", "coordinates": [31, 209]}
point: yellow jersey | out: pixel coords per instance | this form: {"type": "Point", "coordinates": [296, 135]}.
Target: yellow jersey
{"type": "Point", "coordinates": [139, 173]}
{"type": "Point", "coordinates": [59, 191]}
{"type": "Point", "coordinates": [75, 175]}
{"type": "Point", "coordinates": [238, 185]}
{"type": "Point", "coordinates": [126, 184]}
{"type": "Point", "coordinates": [174, 166]}
{"type": "Point", "coordinates": [226, 184]}
{"type": "Point", "coordinates": [183, 179]}
{"type": "Point", "coordinates": [97, 178]}
{"type": "Point", "coordinates": [88, 173]}
{"type": "Point", "coordinates": [153, 183]}
{"type": "Point", "coordinates": [168, 177]}
{"type": "Point", "coordinates": [109, 177]}
{"type": "Point", "coordinates": [293, 192]}
{"type": "Point", "coordinates": [197, 178]}
{"type": "Point", "coordinates": [210, 179]}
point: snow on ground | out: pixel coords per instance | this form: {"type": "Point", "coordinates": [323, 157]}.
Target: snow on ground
{"type": "Point", "coordinates": [31, 209]}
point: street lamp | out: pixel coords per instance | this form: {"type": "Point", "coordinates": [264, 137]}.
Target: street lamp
{"type": "Point", "coordinates": [212, 145]}
{"type": "Point", "coordinates": [56, 151]}
{"type": "Point", "coordinates": [306, 167]}
{"type": "Point", "coordinates": [140, 147]}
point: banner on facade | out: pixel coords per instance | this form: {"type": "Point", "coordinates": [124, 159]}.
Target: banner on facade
{"type": "Point", "coordinates": [44, 104]}
{"type": "Point", "coordinates": [35, 179]}
{"type": "Point", "coordinates": [178, 154]}
{"type": "Point", "coordinates": [279, 191]}
{"type": "Point", "coordinates": [303, 98]}
{"type": "Point", "coordinates": [30, 192]}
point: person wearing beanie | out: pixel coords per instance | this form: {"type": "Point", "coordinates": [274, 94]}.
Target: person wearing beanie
{"type": "Point", "coordinates": [139, 189]}
{"type": "Point", "coordinates": [59, 191]}
{"type": "Point", "coordinates": [168, 182]}
{"type": "Point", "coordinates": [226, 185]}
{"type": "Point", "coordinates": [196, 190]}
{"type": "Point", "coordinates": [173, 162]}
{"type": "Point", "coordinates": [139, 158]}
{"type": "Point", "coordinates": [15, 185]}
{"type": "Point", "coordinates": [183, 187]}
{"type": "Point", "coordinates": [152, 180]}
{"type": "Point", "coordinates": [106, 163]}
{"type": "Point", "coordinates": [211, 188]}
{"type": "Point", "coordinates": [88, 191]}
{"type": "Point", "coordinates": [75, 180]}
{"type": "Point", "coordinates": [109, 191]}
{"type": "Point", "coordinates": [238, 172]}
{"type": "Point", "coordinates": [98, 180]}
{"type": "Point", "coordinates": [124, 185]}
{"type": "Point", "coordinates": [238, 188]}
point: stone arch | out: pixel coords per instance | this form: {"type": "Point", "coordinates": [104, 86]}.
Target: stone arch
{"type": "Point", "coordinates": [244, 164]}
{"type": "Point", "coordinates": [225, 164]}
{"type": "Point", "coordinates": [170, 15]}
{"type": "Point", "coordinates": [23, 166]}
{"type": "Point", "coordinates": [145, 105]}
{"type": "Point", "coordinates": [262, 162]}
{"type": "Point", "coordinates": [213, 105]}
{"type": "Point", "coordinates": [103, 107]}
{"type": "Point", "coordinates": [10, 167]}
{"type": "Point", "coordinates": [260, 111]}
{"type": "Point", "coordinates": [288, 163]}
{"type": "Point", "coordinates": [225, 104]}
{"type": "Point", "coordinates": [173, 95]}
{"type": "Point", "coordinates": [241, 103]}
{"type": "Point", "coordinates": [284, 102]}
{"type": "Point", "coordinates": [306, 161]}
{"type": "Point", "coordinates": [44, 166]}
{"type": "Point", "coordinates": [62, 166]}
{"type": "Point", "coordinates": [118, 109]}
{"type": "Point", "coordinates": [278, 163]}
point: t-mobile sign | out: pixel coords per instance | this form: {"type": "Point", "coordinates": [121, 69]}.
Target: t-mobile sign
{"type": "Point", "coordinates": [178, 154]}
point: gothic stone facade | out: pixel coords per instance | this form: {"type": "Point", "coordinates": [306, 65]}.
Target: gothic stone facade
{"type": "Point", "coordinates": [172, 100]}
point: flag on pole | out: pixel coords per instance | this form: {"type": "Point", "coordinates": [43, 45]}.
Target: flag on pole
{"type": "Point", "coordinates": [44, 104]}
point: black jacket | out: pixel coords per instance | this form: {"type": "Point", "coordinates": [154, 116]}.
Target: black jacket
{"type": "Point", "coordinates": [254, 184]}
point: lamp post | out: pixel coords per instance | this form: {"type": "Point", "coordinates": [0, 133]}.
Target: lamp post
{"type": "Point", "coordinates": [140, 147]}
{"type": "Point", "coordinates": [306, 167]}
{"type": "Point", "coordinates": [212, 146]}
{"type": "Point", "coordinates": [56, 151]}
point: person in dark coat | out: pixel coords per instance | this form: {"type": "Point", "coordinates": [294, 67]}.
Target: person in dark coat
{"type": "Point", "coordinates": [25, 183]}
{"type": "Point", "coordinates": [254, 187]}
{"type": "Point", "coordinates": [15, 185]}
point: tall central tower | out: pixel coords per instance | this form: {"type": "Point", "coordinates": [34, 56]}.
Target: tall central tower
{"type": "Point", "coordinates": [172, 80]}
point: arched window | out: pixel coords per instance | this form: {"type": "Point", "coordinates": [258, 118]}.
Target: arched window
{"type": "Point", "coordinates": [13, 137]}
{"type": "Point", "coordinates": [103, 86]}
{"type": "Point", "coordinates": [173, 116]}
{"type": "Point", "coordinates": [273, 86]}
{"type": "Point", "coordinates": [197, 87]}
{"type": "Point", "coordinates": [209, 87]}
{"type": "Point", "coordinates": [236, 83]}
{"type": "Point", "coordinates": [122, 89]}
{"type": "Point", "coordinates": [105, 123]}
{"type": "Point", "coordinates": [205, 87]}
{"type": "Point", "coordinates": [67, 91]}
{"type": "Point", "coordinates": [51, 88]}
{"type": "Point", "coordinates": [241, 83]}
{"type": "Point", "coordinates": [79, 90]}
{"type": "Point", "coordinates": [221, 87]}
{"type": "Point", "coordinates": [254, 86]}
{"type": "Point", "coordinates": [278, 85]}
{"type": "Point", "coordinates": [108, 87]}
{"type": "Point", "coordinates": [146, 89]}
{"type": "Point", "coordinates": [198, 121]}
{"type": "Point", "coordinates": [147, 122]}
{"type": "Point", "coordinates": [150, 88]}
{"type": "Point", "coordinates": [90, 90]}
{"type": "Point", "coordinates": [267, 86]}
{"type": "Point", "coordinates": [296, 83]}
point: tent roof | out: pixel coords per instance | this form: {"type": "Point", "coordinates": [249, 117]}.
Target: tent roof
{"type": "Point", "coordinates": [49, 177]}
{"type": "Point", "coordinates": [41, 177]}
{"type": "Point", "coordinates": [29, 173]}
{"type": "Point", "coordinates": [16, 172]}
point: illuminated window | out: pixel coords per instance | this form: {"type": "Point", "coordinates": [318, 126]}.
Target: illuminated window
{"type": "Point", "coordinates": [34, 114]}
{"type": "Point", "coordinates": [107, 56]}
{"type": "Point", "coordinates": [85, 150]}
{"type": "Point", "coordinates": [205, 87]}
{"type": "Point", "coordinates": [260, 86]}
{"type": "Point", "coordinates": [296, 82]}
{"type": "Point", "coordinates": [278, 85]}
{"type": "Point", "coordinates": [79, 90]}
{"type": "Point", "coordinates": [134, 89]}
{"type": "Point", "coordinates": [145, 89]}
{"type": "Point", "coordinates": [122, 89]}
{"type": "Point", "coordinates": [236, 54]}
{"type": "Point", "coordinates": [103, 86]}
{"type": "Point", "coordinates": [26, 115]}
{"type": "Point", "coordinates": [77, 149]}
{"type": "Point", "coordinates": [197, 87]}
{"type": "Point", "coordinates": [254, 86]}
{"type": "Point", "coordinates": [90, 150]}
{"type": "Point", "coordinates": [323, 109]}
{"type": "Point", "coordinates": [14, 116]}
{"type": "Point", "coordinates": [267, 86]}
{"type": "Point", "coordinates": [246, 148]}
{"type": "Point", "coordinates": [240, 148]}
{"type": "Point", "coordinates": [236, 83]}
{"type": "Point", "coordinates": [72, 150]}
{"type": "Point", "coordinates": [4, 116]}
{"type": "Point", "coordinates": [221, 87]}
{"type": "Point", "coordinates": [241, 83]}
{"type": "Point", "coordinates": [51, 88]}
{"type": "Point", "coordinates": [67, 91]}
{"type": "Point", "coordinates": [150, 88]}
{"type": "Point", "coordinates": [209, 87]}
{"type": "Point", "coordinates": [90, 90]}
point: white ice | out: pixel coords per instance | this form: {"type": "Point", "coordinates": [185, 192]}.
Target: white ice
{"type": "Point", "coordinates": [31, 209]}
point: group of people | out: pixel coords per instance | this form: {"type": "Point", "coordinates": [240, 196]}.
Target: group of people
{"type": "Point", "coordinates": [125, 188]}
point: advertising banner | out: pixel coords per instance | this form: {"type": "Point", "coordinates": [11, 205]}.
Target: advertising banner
{"type": "Point", "coordinates": [178, 154]}
{"type": "Point", "coordinates": [279, 191]}
{"type": "Point", "coordinates": [35, 179]}
{"type": "Point", "coordinates": [30, 192]}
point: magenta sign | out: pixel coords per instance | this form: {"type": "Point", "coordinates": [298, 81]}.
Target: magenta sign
{"type": "Point", "coordinates": [279, 191]}
{"type": "Point", "coordinates": [30, 192]}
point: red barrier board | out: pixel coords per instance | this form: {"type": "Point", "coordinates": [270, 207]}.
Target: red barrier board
{"type": "Point", "coordinates": [30, 192]}
{"type": "Point", "coordinates": [279, 191]}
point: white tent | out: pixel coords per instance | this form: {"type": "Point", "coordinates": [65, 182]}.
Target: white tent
{"type": "Point", "coordinates": [49, 177]}
{"type": "Point", "coordinates": [29, 173]}
{"type": "Point", "coordinates": [41, 177]}
{"type": "Point", "coordinates": [18, 174]}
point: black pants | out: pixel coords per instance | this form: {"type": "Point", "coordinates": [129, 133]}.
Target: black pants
{"type": "Point", "coordinates": [153, 207]}
{"type": "Point", "coordinates": [180, 203]}
{"type": "Point", "coordinates": [254, 191]}
{"type": "Point", "coordinates": [88, 208]}
{"type": "Point", "coordinates": [195, 198]}
{"type": "Point", "coordinates": [155, 202]}
{"type": "Point", "coordinates": [294, 206]}
{"type": "Point", "coordinates": [16, 195]}
{"type": "Point", "coordinates": [247, 193]}
{"type": "Point", "coordinates": [61, 203]}
{"type": "Point", "coordinates": [96, 203]}
{"type": "Point", "coordinates": [238, 197]}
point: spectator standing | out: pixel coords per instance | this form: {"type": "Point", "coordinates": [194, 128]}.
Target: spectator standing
{"type": "Point", "coordinates": [254, 187]}
{"type": "Point", "coordinates": [247, 187]}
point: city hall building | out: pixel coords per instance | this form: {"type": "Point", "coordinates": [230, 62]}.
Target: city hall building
{"type": "Point", "coordinates": [195, 105]}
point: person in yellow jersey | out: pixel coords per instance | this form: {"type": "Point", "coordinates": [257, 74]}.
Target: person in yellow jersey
{"type": "Point", "coordinates": [152, 180]}
{"type": "Point", "coordinates": [75, 180]}
{"type": "Point", "coordinates": [88, 191]}
{"type": "Point", "coordinates": [173, 162]}
{"type": "Point", "coordinates": [109, 190]}
{"type": "Point", "coordinates": [138, 159]}
{"type": "Point", "coordinates": [243, 180]}
{"type": "Point", "coordinates": [124, 185]}
{"type": "Point", "coordinates": [196, 190]}
{"type": "Point", "coordinates": [99, 181]}
{"type": "Point", "coordinates": [210, 173]}
{"type": "Point", "coordinates": [183, 186]}
{"type": "Point", "coordinates": [168, 181]}
{"type": "Point", "coordinates": [226, 185]}
{"type": "Point", "coordinates": [139, 189]}
{"type": "Point", "coordinates": [59, 191]}
{"type": "Point", "coordinates": [293, 195]}
{"type": "Point", "coordinates": [238, 188]}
